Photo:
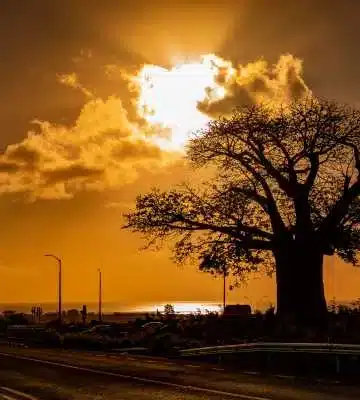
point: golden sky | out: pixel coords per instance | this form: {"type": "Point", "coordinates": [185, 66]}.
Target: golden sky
{"type": "Point", "coordinates": [96, 99]}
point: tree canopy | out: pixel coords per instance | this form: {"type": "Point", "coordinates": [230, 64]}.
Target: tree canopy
{"type": "Point", "coordinates": [289, 176]}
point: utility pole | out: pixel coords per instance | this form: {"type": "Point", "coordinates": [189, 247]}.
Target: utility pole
{"type": "Point", "coordinates": [224, 289]}
{"type": "Point", "coordinates": [100, 295]}
{"type": "Point", "coordinates": [334, 279]}
{"type": "Point", "coordinates": [84, 314]}
{"type": "Point", "coordinates": [59, 284]}
{"type": "Point", "coordinates": [332, 269]}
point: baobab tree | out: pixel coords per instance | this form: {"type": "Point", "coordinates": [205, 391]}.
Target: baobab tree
{"type": "Point", "coordinates": [285, 194]}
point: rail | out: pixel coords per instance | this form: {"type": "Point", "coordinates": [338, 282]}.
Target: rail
{"type": "Point", "coordinates": [274, 347]}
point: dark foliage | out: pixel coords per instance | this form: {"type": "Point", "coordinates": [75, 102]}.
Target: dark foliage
{"type": "Point", "coordinates": [285, 193]}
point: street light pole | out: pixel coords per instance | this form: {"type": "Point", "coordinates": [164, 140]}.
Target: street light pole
{"type": "Point", "coordinates": [224, 289]}
{"type": "Point", "coordinates": [100, 295]}
{"type": "Point", "coordinates": [59, 283]}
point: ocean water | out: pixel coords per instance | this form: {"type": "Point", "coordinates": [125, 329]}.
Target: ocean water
{"type": "Point", "coordinates": [141, 307]}
{"type": "Point", "coordinates": [111, 307]}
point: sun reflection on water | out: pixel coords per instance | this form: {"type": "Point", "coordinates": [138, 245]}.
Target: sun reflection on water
{"type": "Point", "coordinates": [183, 307]}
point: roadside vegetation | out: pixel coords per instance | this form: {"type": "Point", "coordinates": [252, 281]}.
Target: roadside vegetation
{"type": "Point", "coordinates": [165, 333]}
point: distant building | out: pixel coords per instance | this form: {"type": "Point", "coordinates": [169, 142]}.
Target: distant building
{"type": "Point", "coordinates": [237, 310]}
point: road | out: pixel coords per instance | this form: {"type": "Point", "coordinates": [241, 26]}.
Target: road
{"type": "Point", "coordinates": [34, 374]}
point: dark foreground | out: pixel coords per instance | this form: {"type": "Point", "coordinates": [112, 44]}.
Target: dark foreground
{"type": "Point", "coordinates": [64, 375]}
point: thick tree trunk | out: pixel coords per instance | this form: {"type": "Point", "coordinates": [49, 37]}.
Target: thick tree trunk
{"type": "Point", "coordinates": [299, 279]}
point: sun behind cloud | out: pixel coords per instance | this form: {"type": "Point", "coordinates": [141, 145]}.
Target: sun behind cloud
{"type": "Point", "coordinates": [105, 149]}
{"type": "Point", "coordinates": [185, 97]}
{"type": "Point", "coordinates": [169, 98]}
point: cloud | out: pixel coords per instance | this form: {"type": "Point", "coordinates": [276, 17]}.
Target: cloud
{"type": "Point", "coordinates": [72, 80]}
{"type": "Point", "coordinates": [24, 155]}
{"type": "Point", "coordinates": [111, 143]}
{"type": "Point", "coordinates": [71, 172]}
{"type": "Point", "coordinates": [137, 149]}
{"type": "Point", "coordinates": [257, 82]}
{"type": "Point", "coordinates": [8, 166]}
{"type": "Point", "coordinates": [101, 150]}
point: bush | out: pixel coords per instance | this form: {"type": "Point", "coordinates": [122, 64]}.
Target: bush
{"type": "Point", "coordinates": [94, 342]}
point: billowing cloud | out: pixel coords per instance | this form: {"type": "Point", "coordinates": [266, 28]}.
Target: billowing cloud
{"type": "Point", "coordinates": [8, 166]}
{"type": "Point", "coordinates": [102, 149]}
{"type": "Point", "coordinates": [107, 148]}
{"type": "Point", "coordinates": [72, 171]}
{"type": "Point", "coordinates": [255, 83]}
{"type": "Point", "coordinates": [72, 80]}
{"type": "Point", "coordinates": [23, 155]}
{"type": "Point", "coordinates": [137, 149]}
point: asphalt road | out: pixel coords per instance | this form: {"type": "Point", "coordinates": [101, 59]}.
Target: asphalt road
{"type": "Point", "coordinates": [34, 374]}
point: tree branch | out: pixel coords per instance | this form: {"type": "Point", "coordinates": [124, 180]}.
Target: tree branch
{"type": "Point", "coordinates": [234, 231]}
{"type": "Point", "coordinates": [314, 169]}
{"type": "Point", "coordinates": [275, 217]}
{"type": "Point", "coordinates": [333, 219]}
{"type": "Point", "coordinates": [283, 183]}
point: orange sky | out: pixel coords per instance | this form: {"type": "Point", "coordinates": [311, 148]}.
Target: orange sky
{"type": "Point", "coordinates": [63, 188]}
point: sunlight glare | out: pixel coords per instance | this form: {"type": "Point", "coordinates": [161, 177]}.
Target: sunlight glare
{"type": "Point", "coordinates": [190, 308]}
{"type": "Point", "coordinates": [169, 98]}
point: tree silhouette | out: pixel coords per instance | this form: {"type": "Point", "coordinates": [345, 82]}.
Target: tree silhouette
{"type": "Point", "coordinates": [169, 309]}
{"type": "Point", "coordinates": [285, 193]}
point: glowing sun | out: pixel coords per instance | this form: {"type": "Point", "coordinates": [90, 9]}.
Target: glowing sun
{"type": "Point", "coordinates": [169, 98]}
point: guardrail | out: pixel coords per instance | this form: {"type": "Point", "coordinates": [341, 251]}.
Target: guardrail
{"type": "Point", "coordinates": [132, 350]}
{"type": "Point", "coordinates": [319, 348]}
{"type": "Point", "coordinates": [316, 359]}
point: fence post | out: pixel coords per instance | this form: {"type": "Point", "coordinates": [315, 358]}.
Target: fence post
{"type": "Point", "coordinates": [337, 365]}
{"type": "Point", "coordinates": [269, 361]}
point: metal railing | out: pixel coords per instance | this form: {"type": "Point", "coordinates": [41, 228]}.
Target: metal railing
{"type": "Point", "coordinates": [274, 347]}
{"type": "Point", "coordinates": [314, 360]}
